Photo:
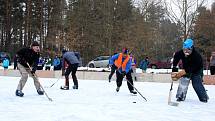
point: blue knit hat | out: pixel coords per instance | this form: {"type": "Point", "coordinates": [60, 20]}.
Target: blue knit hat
{"type": "Point", "coordinates": [188, 44]}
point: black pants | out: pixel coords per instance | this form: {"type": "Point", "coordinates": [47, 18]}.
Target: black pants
{"type": "Point", "coordinates": [58, 67]}
{"type": "Point", "coordinates": [212, 70]}
{"type": "Point", "coordinates": [40, 67]}
{"type": "Point", "coordinates": [72, 68]}
{"type": "Point", "coordinates": [113, 69]}
{"type": "Point", "coordinates": [15, 66]}
{"type": "Point", "coordinates": [47, 68]}
{"type": "Point", "coordinates": [119, 78]}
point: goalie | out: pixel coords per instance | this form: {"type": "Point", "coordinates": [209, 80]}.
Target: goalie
{"type": "Point", "coordinates": [193, 70]}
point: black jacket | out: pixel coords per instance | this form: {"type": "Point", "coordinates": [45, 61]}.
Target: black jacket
{"type": "Point", "coordinates": [27, 55]}
{"type": "Point", "coordinates": [192, 64]}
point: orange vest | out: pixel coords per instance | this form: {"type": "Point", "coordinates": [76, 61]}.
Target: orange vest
{"type": "Point", "coordinates": [119, 62]}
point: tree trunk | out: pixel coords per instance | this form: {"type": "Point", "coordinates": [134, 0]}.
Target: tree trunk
{"type": "Point", "coordinates": [8, 25]}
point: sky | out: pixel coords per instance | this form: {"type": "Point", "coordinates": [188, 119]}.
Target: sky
{"type": "Point", "coordinates": [209, 3]}
{"type": "Point", "coordinates": [97, 100]}
{"type": "Point", "coordinates": [174, 6]}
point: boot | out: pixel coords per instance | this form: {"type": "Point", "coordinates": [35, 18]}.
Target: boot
{"type": "Point", "coordinates": [64, 87]}
{"type": "Point", "coordinates": [75, 87]}
{"type": "Point", "coordinates": [179, 99]}
{"type": "Point", "coordinates": [133, 92]}
{"type": "Point", "coordinates": [204, 100]}
{"type": "Point", "coordinates": [117, 89]}
{"type": "Point", "coordinates": [40, 92]}
{"type": "Point", "coordinates": [19, 93]}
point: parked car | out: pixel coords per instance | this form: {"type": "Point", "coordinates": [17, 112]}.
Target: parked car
{"type": "Point", "coordinates": [99, 62]}
{"type": "Point", "coordinates": [163, 64]}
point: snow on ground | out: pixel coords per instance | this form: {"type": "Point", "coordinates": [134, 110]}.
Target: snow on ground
{"type": "Point", "coordinates": [97, 100]}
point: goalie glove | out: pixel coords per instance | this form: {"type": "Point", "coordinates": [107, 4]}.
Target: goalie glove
{"type": "Point", "coordinates": [176, 75]}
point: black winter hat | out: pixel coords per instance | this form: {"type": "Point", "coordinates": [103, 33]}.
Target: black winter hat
{"type": "Point", "coordinates": [35, 43]}
{"type": "Point", "coordinates": [63, 51]}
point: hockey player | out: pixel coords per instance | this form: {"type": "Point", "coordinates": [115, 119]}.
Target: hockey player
{"type": "Point", "coordinates": [193, 68]}
{"type": "Point", "coordinates": [5, 65]}
{"type": "Point", "coordinates": [133, 67]}
{"type": "Point", "coordinates": [144, 64]}
{"type": "Point", "coordinates": [123, 64]}
{"type": "Point", "coordinates": [57, 63]}
{"type": "Point", "coordinates": [26, 57]}
{"type": "Point", "coordinates": [72, 59]}
{"type": "Point", "coordinates": [48, 63]}
{"type": "Point", "coordinates": [212, 63]}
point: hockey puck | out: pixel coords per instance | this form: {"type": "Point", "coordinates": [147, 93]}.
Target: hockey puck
{"type": "Point", "coordinates": [134, 102]}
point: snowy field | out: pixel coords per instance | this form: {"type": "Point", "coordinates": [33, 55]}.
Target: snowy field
{"type": "Point", "coordinates": [97, 100]}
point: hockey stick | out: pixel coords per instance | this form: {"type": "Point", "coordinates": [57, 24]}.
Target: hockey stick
{"type": "Point", "coordinates": [170, 95]}
{"type": "Point", "coordinates": [137, 91]}
{"type": "Point", "coordinates": [55, 82]}
{"type": "Point", "coordinates": [40, 84]}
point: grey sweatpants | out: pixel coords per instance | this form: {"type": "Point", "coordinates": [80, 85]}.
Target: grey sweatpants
{"type": "Point", "coordinates": [133, 74]}
{"type": "Point", "coordinates": [197, 86]}
{"type": "Point", "coordinates": [182, 88]}
{"type": "Point", "coordinates": [24, 73]}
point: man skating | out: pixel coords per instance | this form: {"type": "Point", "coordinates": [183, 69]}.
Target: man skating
{"type": "Point", "coordinates": [28, 57]}
{"type": "Point", "coordinates": [72, 60]}
{"type": "Point", "coordinates": [193, 70]}
{"type": "Point", "coordinates": [123, 63]}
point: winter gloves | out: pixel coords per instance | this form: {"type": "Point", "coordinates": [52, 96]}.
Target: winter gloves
{"type": "Point", "coordinates": [176, 75]}
{"type": "Point", "coordinates": [32, 72]}
{"type": "Point", "coordinates": [174, 69]}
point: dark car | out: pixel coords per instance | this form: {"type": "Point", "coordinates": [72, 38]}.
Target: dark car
{"type": "Point", "coordinates": [163, 64]}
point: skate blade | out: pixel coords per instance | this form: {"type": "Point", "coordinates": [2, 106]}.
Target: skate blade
{"type": "Point", "coordinates": [173, 103]}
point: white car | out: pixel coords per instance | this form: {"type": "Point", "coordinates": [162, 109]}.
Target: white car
{"type": "Point", "coordinates": [99, 62]}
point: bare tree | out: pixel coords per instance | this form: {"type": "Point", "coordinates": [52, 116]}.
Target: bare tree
{"type": "Point", "coordinates": [183, 12]}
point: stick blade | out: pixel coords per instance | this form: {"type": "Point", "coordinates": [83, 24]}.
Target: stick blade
{"type": "Point", "coordinates": [50, 99]}
{"type": "Point", "coordinates": [173, 103]}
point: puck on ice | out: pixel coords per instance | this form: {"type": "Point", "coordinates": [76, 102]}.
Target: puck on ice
{"type": "Point", "coordinates": [134, 102]}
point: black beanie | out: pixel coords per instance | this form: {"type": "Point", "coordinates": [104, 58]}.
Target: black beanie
{"type": "Point", "coordinates": [63, 51]}
{"type": "Point", "coordinates": [35, 43]}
